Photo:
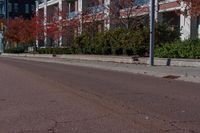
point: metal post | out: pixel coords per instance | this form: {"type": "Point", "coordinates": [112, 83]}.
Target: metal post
{"type": "Point", "coordinates": [1, 42]}
{"type": "Point", "coordinates": [152, 32]}
{"type": "Point", "coordinates": [37, 14]}
{"type": "Point", "coordinates": [80, 9]}
{"type": "Point", "coordinates": [45, 23]}
{"type": "Point", "coordinates": [60, 6]}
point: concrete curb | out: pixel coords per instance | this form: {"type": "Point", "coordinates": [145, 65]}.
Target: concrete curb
{"type": "Point", "coordinates": [118, 59]}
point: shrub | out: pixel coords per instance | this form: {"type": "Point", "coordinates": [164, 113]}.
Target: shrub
{"type": "Point", "coordinates": [82, 44]}
{"type": "Point", "coordinates": [16, 50]}
{"type": "Point", "coordinates": [179, 49]}
{"type": "Point", "coordinates": [116, 42]}
{"type": "Point", "coordinates": [123, 41]}
{"type": "Point", "coordinates": [55, 51]}
{"type": "Point", "coordinates": [166, 33]}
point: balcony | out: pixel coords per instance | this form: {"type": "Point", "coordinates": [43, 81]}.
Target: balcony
{"type": "Point", "coordinates": [40, 1]}
{"type": "Point", "coordinates": [141, 2]}
{"type": "Point", "coordinates": [146, 2]}
{"type": "Point", "coordinates": [96, 9]}
{"type": "Point", "coordinates": [72, 15]}
{"type": "Point", "coordinates": [167, 1]}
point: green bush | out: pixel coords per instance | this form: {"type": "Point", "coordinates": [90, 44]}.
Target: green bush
{"type": "Point", "coordinates": [55, 51]}
{"type": "Point", "coordinates": [116, 42]}
{"type": "Point", "coordinates": [123, 41]}
{"type": "Point", "coordinates": [16, 50]}
{"type": "Point", "coordinates": [179, 49]}
{"type": "Point", "coordinates": [166, 33]}
{"type": "Point", "coordinates": [82, 44]}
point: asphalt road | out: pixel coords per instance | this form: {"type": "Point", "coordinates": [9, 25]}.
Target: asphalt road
{"type": "Point", "coordinates": [40, 97]}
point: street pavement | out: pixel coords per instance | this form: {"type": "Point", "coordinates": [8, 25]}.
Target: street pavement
{"type": "Point", "coordinates": [41, 97]}
{"type": "Point", "coordinates": [189, 74]}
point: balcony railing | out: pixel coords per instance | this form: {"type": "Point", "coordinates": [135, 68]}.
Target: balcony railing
{"type": "Point", "coordinates": [72, 15]}
{"type": "Point", "coordinates": [96, 9]}
{"type": "Point", "coordinates": [166, 1]}
{"type": "Point", "coordinates": [146, 2]}
{"type": "Point", "coordinates": [141, 2]}
{"type": "Point", "coordinates": [40, 1]}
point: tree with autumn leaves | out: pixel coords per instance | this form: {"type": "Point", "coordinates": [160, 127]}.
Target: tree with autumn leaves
{"type": "Point", "coordinates": [22, 32]}
{"type": "Point", "coordinates": [19, 31]}
{"type": "Point", "coordinates": [193, 6]}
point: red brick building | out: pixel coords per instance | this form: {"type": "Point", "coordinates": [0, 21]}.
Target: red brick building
{"type": "Point", "coordinates": [166, 11]}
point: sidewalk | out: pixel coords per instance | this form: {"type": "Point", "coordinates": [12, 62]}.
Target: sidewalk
{"type": "Point", "coordinates": [191, 74]}
{"type": "Point", "coordinates": [120, 59]}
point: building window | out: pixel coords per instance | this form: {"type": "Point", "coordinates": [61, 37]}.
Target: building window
{"type": "Point", "coordinates": [33, 8]}
{"type": "Point", "coordinates": [16, 7]}
{"type": "Point", "coordinates": [27, 8]}
{"type": "Point", "coordinates": [2, 8]}
{"type": "Point", "coordinates": [10, 7]}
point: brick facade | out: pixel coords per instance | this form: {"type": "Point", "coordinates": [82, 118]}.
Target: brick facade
{"type": "Point", "coordinates": [165, 10]}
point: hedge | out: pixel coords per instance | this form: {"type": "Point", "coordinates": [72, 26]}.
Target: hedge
{"type": "Point", "coordinates": [16, 50]}
{"type": "Point", "coordinates": [54, 51]}
{"type": "Point", "coordinates": [123, 41]}
{"type": "Point", "coordinates": [179, 49]}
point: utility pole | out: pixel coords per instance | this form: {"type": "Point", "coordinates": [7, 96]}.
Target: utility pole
{"type": "Point", "coordinates": [45, 23]}
{"type": "Point", "coordinates": [152, 32]}
{"type": "Point", "coordinates": [1, 40]}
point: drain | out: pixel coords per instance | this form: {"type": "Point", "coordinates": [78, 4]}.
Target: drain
{"type": "Point", "coordinates": [171, 77]}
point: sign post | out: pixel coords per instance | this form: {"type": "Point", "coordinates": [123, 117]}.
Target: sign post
{"type": "Point", "coordinates": [152, 32]}
{"type": "Point", "coordinates": [1, 37]}
{"type": "Point", "coordinates": [1, 42]}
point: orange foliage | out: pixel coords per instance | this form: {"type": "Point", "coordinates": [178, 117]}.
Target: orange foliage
{"type": "Point", "coordinates": [193, 6]}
